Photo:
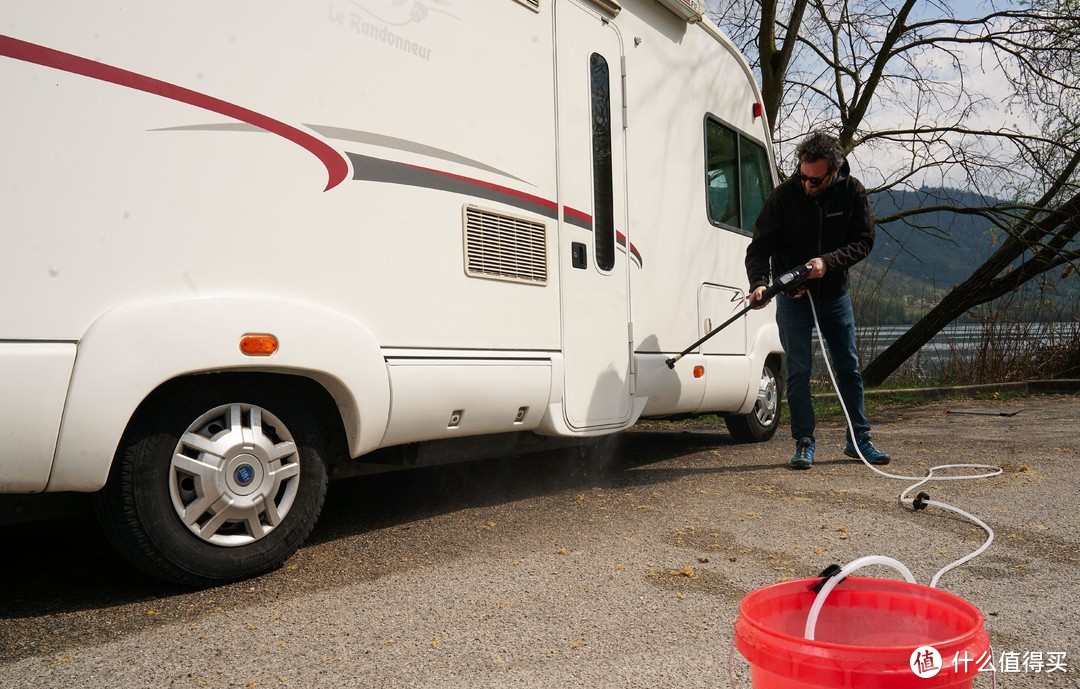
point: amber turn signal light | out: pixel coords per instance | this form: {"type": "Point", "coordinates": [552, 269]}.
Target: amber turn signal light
{"type": "Point", "coordinates": [258, 345]}
{"type": "Point", "coordinates": [699, 371]}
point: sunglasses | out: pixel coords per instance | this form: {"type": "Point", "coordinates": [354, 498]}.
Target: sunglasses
{"type": "Point", "coordinates": [814, 181]}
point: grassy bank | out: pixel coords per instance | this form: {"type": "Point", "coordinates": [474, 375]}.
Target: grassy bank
{"type": "Point", "coordinates": [1030, 334]}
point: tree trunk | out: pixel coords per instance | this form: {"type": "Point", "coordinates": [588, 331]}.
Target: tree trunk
{"type": "Point", "coordinates": [987, 284]}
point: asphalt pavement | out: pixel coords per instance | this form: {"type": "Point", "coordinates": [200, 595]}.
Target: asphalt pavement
{"type": "Point", "coordinates": [539, 571]}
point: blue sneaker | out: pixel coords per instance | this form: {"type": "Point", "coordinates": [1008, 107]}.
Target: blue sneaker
{"type": "Point", "coordinates": [804, 454]}
{"type": "Point", "coordinates": [869, 452]}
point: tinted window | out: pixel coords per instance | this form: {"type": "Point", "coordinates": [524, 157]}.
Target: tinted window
{"type": "Point", "coordinates": [737, 177]}
{"type": "Point", "coordinates": [603, 199]}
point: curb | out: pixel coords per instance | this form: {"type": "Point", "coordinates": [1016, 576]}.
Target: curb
{"type": "Point", "coordinates": [1042, 387]}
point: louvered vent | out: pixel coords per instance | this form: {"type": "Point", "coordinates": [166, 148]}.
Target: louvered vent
{"type": "Point", "coordinates": [533, 5]}
{"type": "Point", "coordinates": [502, 247]}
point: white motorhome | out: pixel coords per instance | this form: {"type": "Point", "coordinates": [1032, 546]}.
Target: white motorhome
{"type": "Point", "coordinates": [246, 245]}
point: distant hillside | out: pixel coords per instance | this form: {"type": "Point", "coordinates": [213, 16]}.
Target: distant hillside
{"type": "Point", "coordinates": [944, 247]}
{"type": "Point", "coordinates": [917, 261]}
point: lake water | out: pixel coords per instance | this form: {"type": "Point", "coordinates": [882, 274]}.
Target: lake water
{"type": "Point", "coordinates": [958, 340]}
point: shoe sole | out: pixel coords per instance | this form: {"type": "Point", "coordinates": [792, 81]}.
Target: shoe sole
{"type": "Point", "coordinates": [801, 465]}
{"type": "Point", "coordinates": [877, 463]}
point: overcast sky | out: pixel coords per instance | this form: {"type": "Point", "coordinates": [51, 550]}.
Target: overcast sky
{"type": "Point", "coordinates": [982, 76]}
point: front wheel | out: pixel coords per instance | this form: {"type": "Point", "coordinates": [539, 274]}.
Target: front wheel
{"type": "Point", "coordinates": [214, 486]}
{"type": "Point", "coordinates": [761, 423]}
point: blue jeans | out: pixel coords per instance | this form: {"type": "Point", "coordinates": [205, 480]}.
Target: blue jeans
{"type": "Point", "coordinates": [796, 322]}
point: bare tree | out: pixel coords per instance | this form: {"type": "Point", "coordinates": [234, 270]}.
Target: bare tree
{"type": "Point", "coordinates": [915, 94]}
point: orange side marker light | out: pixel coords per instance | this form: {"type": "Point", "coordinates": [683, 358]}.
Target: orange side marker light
{"type": "Point", "coordinates": [258, 345]}
{"type": "Point", "coordinates": [699, 371]}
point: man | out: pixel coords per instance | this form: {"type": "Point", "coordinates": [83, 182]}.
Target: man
{"type": "Point", "coordinates": [819, 218]}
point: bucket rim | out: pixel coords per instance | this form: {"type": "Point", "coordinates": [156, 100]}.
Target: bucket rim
{"type": "Point", "coordinates": [978, 621]}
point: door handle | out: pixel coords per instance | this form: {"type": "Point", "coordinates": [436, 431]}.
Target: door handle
{"type": "Point", "coordinates": [579, 257]}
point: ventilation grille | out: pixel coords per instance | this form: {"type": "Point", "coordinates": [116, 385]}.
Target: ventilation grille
{"type": "Point", "coordinates": [502, 247]}
{"type": "Point", "coordinates": [533, 5]}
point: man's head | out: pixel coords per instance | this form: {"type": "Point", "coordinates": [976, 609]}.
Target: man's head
{"type": "Point", "coordinates": [820, 157]}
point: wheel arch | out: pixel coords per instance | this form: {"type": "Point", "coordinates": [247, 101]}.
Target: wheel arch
{"type": "Point", "coordinates": [764, 418]}
{"type": "Point", "coordinates": [134, 350]}
{"type": "Point", "coordinates": [777, 358]}
{"type": "Point", "coordinates": [305, 388]}
{"type": "Point", "coordinates": [765, 348]}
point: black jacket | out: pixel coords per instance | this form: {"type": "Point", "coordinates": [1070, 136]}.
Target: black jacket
{"type": "Point", "coordinates": [794, 228]}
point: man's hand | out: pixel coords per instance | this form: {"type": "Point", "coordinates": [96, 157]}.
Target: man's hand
{"type": "Point", "coordinates": [817, 268]}
{"type": "Point", "coordinates": [755, 298]}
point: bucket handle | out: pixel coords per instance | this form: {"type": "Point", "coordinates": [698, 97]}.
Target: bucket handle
{"type": "Point", "coordinates": [819, 601]}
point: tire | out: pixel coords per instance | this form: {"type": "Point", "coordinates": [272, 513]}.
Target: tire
{"type": "Point", "coordinates": [761, 423]}
{"type": "Point", "coordinates": [213, 486]}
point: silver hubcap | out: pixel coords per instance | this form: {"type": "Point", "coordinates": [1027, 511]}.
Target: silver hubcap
{"type": "Point", "coordinates": [767, 399]}
{"type": "Point", "coordinates": [234, 475]}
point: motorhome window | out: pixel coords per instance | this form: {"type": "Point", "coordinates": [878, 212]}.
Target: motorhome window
{"type": "Point", "coordinates": [756, 180]}
{"type": "Point", "coordinates": [737, 177]}
{"type": "Point", "coordinates": [603, 198]}
{"type": "Point", "coordinates": [721, 174]}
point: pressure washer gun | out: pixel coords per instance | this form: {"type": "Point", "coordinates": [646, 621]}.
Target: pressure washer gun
{"type": "Point", "coordinates": [785, 283]}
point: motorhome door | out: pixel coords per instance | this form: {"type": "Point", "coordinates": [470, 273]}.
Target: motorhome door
{"type": "Point", "coordinates": [594, 243]}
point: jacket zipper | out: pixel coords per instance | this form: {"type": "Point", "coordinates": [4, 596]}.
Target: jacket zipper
{"type": "Point", "coordinates": [820, 228]}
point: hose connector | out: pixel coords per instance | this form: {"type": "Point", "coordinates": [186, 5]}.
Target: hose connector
{"type": "Point", "coordinates": [826, 574]}
{"type": "Point", "coordinates": [919, 503]}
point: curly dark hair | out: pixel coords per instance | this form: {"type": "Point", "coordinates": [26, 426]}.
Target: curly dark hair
{"type": "Point", "coordinates": [821, 146]}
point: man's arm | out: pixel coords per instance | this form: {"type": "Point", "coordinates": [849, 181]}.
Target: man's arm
{"type": "Point", "coordinates": [760, 251]}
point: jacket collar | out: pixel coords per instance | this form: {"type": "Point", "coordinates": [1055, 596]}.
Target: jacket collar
{"type": "Point", "coordinates": [844, 172]}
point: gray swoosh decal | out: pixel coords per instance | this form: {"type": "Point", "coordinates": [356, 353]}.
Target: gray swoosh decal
{"type": "Point", "coordinates": [356, 136]}
{"type": "Point", "coordinates": [405, 145]}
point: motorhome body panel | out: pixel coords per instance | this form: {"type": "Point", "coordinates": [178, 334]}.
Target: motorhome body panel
{"type": "Point", "coordinates": [132, 350]}
{"type": "Point", "coordinates": [691, 268]}
{"type": "Point", "coordinates": [35, 379]}
{"type": "Point", "coordinates": [167, 193]}
{"type": "Point", "coordinates": [329, 174]}
{"type": "Point", "coordinates": [448, 398]}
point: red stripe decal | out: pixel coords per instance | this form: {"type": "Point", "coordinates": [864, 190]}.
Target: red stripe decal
{"type": "Point", "coordinates": [393, 172]}
{"type": "Point", "coordinates": [336, 167]}
{"type": "Point", "coordinates": [568, 211]}
{"type": "Point", "coordinates": [621, 239]}
{"type": "Point", "coordinates": [575, 213]}
{"type": "Point", "coordinates": [488, 185]}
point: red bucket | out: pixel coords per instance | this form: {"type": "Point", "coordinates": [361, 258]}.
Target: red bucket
{"type": "Point", "coordinates": [866, 636]}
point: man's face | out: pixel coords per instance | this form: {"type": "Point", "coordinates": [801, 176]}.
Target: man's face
{"type": "Point", "coordinates": [816, 176]}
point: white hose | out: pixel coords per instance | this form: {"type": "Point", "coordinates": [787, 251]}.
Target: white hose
{"type": "Point", "coordinates": [815, 609]}
{"type": "Point", "coordinates": [989, 470]}
{"type": "Point", "coordinates": [833, 581]}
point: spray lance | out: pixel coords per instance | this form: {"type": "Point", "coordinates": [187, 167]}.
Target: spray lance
{"type": "Point", "coordinates": [785, 283]}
